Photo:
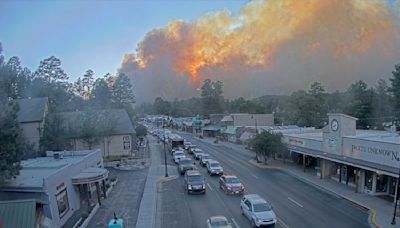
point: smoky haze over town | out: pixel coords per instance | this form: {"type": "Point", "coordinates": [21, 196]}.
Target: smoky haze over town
{"type": "Point", "coordinates": [217, 114]}
{"type": "Point", "coordinates": [295, 44]}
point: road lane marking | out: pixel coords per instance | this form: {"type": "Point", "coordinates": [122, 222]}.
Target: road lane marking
{"type": "Point", "coordinates": [254, 176]}
{"type": "Point", "coordinates": [295, 202]}
{"type": "Point", "coordinates": [282, 223]}
{"type": "Point", "coordinates": [234, 222]}
{"type": "Point", "coordinates": [209, 186]}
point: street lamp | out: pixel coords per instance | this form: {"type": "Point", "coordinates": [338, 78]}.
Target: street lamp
{"type": "Point", "coordinates": [165, 152]}
{"type": "Point", "coordinates": [255, 123]}
{"type": "Point", "coordinates": [397, 199]}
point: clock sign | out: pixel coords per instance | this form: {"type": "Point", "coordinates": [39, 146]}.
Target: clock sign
{"type": "Point", "coordinates": [334, 125]}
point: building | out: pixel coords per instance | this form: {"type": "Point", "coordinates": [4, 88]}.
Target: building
{"type": "Point", "coordinates": [246, 120]}
{"type": "Point", "coordinates": [31, 116]}
{"type": "Point", "coordinates": [111, 131]}
{"type": "Point", "coordinates": [366, 160]}
{"type": "Point", "coordinates": [63, 181]}
{"type": "Point", "coordinates": [25, 213]}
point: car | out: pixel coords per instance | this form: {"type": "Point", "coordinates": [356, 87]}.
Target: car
{"type": "Point", "coordinates": [194, 182]}
{"type": "Point", "coordinates": [218, 221]}
{"type": "Point", "coordinates": [176, 149]}
{"type": "Point", "coordinates": [231, 184]}
{"type": "Point", "coordinates": [178, 155]}
{"type": "Point", "coordinates": [191, 148]}
{"type": "Point", "coordinates": [204, 159]}
{"type": "Point", "coordinates": [213, 167]}
{"type": "Point", "coordinates": [184, 165]}
{"type": "Point", "coordinates": [197, 153]}
{"type": "Point", "coordinates": [257, 210]}
{"type": "Point", "coordinates": [186, 145]}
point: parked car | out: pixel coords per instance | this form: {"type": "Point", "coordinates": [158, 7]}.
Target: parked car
{"type": "Point", "coordinates": [186, 145]}
{"type": "Point", "coordinates": [184, 165]}
{"type": "Point", "coordinates": [218, 221]}
{"type": "Point", "coordinates": [204, 159]}
{"type": "Point", "coordinates": [197, 153]}
{"type": "Point", "coordinates": [194, 182]}
{"type": "Point", "coordinates": [213, 167]}
{"type": "Point", "coordinates": [257, 210]}
{"type": "Point", "coordinates": [231, 184]}
{"type": "Point", "coordinates": [178, 155]}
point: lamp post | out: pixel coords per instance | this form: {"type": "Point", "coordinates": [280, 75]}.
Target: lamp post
{"type": "Point", "coordinates": [165, 152]}
{"type": "Point", "coordinates": [255, 122]}
{"type": "Point", "coordinates": [397, 199]}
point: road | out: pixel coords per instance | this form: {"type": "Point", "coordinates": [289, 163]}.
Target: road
{"type": "Point", "coordinates": [296, 204]}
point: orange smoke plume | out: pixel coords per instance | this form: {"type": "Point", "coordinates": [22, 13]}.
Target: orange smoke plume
{"type": "Point", "coordinates": [262, 29]}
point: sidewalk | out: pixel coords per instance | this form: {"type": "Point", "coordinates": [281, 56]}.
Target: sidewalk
{"type": "Point", "coordinates": [148, 204]}
{"type": "Point", "coordinates": [381, 211]}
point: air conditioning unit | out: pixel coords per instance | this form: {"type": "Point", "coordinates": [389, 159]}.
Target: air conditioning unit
{"type": "Point", "coordinates": [58, 155]}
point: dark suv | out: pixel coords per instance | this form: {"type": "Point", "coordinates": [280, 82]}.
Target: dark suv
{"type": "Point", "coordinates": [184, 165]}
{"type": "Point", "coordinates": [194, 182]}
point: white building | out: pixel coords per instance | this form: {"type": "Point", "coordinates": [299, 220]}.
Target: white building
{"type": "Point", "coordinates": [64, 181]}
{"type": "Point", "coordinates": [366, 160]}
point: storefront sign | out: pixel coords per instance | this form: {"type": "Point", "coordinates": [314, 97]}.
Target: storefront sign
{"type": "Point", "coordinates": [296, 142]}
{"type": "Point", "coordinates": [388, 154]}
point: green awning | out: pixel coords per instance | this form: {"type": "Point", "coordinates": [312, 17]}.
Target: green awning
{"type": "Point", "coordinates": [230, 130]}
{"type": "Point", "coordinates": [18, 213]}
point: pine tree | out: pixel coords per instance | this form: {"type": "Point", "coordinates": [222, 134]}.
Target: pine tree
{"type": "Point", "coordinates": [122, 91]}
{"type": "Point", "coordinates": [50, 69]}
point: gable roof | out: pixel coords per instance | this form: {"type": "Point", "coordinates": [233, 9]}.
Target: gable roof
{"type": "Point", "coordinates": [116, 119]}
{"type": "Point", "coordinates": [18, 213]}
{"type": "Point", "coordinates": [31, 110]}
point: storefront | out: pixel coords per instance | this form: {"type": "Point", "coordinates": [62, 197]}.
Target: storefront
{"type": "Point", "coordinates": [367, 161]}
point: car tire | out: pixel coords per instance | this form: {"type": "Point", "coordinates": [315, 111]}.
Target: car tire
{"type": "Point", "coordinates": [241, 210]}
{"type": "Point", "coordinates": [253, 224]}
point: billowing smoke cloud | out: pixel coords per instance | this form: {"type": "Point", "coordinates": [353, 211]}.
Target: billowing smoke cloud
{"type": "Point", "coordinates": [269, 47]}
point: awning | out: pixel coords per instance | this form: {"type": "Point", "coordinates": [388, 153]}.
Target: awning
{"type": "Point", "coordinates": [90, 175]}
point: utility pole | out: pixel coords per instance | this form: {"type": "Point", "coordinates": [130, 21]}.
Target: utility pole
{"type": "Point", "coordinates": [165, 152]}
{"type": "Point", "coordinates": [397, 199]}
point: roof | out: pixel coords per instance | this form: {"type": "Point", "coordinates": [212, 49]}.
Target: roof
{"type": "Point", "coordinates": [246, 136]}
{"type": "Point", "coordinates": [212, 127]}
{"type": "Point", "coordinates": [35, 170]}
{"type": "Point", "coordinates": [31, 110]}
{"type": "Point", "coordinates": [255, 198]}
{"type": "Point", "coordinates": [227, 119]}
{"type": "Point", "coordinates": [116, 120]}
{"type": "Point", "coordinates": [218, 218]}
{"type": "Point", "coordinates": [231, 130]}
{"type": "Point", "coordinates": [18, 213]}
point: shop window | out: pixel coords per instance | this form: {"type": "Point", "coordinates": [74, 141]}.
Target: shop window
{"type": "Point", "coordinates": [368, 180]}
{"type": "Point", "coordinates": [381, 183]}
{"type": "Point", "coordinates": [62, 202]}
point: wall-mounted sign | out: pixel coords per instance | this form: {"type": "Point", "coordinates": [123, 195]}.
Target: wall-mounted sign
{"type": "Point", "coordinates": [296, 142]}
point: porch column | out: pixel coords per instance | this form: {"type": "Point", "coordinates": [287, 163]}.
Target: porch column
{"type": "Point", "coordinates": [374, 183]}
{"type": "Point", "coordinates": [98, 193]}
{"type": "Point", "coordinates": [104, 189]}
{"type": "Point", "coordinates": [304, 163]}
{"type": "Point", "coordinates": [395, 191]}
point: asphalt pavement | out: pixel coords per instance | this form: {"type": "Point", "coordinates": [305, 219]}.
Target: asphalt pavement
{"type": "Point", "coordinates": [296, 203]}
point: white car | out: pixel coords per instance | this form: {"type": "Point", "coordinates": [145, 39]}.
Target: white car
{"type": "Point", "coordinates": [178, 155]}
{"type": "Point", "coordinates": [214, 167]}
{"type": "Point", "coordinates": [257, 210]}
{"type": "Point", "coordinates": [218, 221]}
{"type": "Point", "coordinates": [197, 153]}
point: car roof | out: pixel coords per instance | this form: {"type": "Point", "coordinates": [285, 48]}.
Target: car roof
{"type": "Point", "coordinates": [229, 176]}
{"type": "Point", "coordinates": [185, 158]}
{"type": "Point", "coordinates": [213, 161]}
{"type": "Point", "coordinates": [254, 198]}
{"type": "Point", "coordinates": [192, 172]}
{"type": "Point", "coordinates": [218, 218]}
{"type": "Point", "coordinates": [179, 152]}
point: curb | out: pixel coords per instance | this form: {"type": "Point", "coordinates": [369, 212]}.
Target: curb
{"type": "Point", "coordinates": [263, 166]}
{"type": "Point", "coordinates": [372, 211]}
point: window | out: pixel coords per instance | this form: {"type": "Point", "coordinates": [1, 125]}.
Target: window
{"type": "Point", "coordinates": [368, 180]}
{"type": "Point", "coordinates": [127, 145]}
{"type": "Point", "coordinates": [62, 202]}
{"type": "Point", "coordinates": [381, 183]}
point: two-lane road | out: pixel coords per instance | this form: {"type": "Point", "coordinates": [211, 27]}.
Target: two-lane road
{"type": "Point", "coordinates": [297, 204]}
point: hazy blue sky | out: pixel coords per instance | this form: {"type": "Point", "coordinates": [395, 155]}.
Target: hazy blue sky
{"type": "Point", "coordinates": [90, 34]}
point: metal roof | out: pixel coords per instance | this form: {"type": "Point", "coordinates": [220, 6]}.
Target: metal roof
{"type": "Point", "coordinates": [32, 109]}
{"type": "Point", "coordinates": [18, 213]}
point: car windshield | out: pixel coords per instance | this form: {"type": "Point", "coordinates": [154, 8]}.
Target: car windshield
{"type": "Point", "coordinates": [219, 223]}
{"type": "Point", "coordinates": [195, 178]}
{"type": "Point", "coordinates": [215, 165]}
{"type": "Point", "coordinates": [261, 207]}
{"type": "Point", "coordinates": [232, 180]}
{"type": "Point", "coordinates": [205, 157]}
{"type": "Point", "coordinates": [179, 154]}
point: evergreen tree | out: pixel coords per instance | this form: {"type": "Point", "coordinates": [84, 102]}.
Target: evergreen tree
{"type": "Point", "coordinates": [212, 98]}
{"type": "Point", "coordinates": [50, 69]}
{"type": "Point", "coordinates": [395, 91]}
{"type": "Point", "coordinates": [87, 84]}
{"type": "Point", "coordinates": [101, 95]}
{"type": "Point", "coordinates": [54, 134]}
{"type": "Point", "coordinates": [122, 91]}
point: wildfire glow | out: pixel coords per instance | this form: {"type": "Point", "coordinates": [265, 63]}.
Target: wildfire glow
{"type": "Point", "coordinates": [254, 36]}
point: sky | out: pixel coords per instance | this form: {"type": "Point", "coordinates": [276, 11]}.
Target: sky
{"type": "Point", "coordinates": [90, 34]}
